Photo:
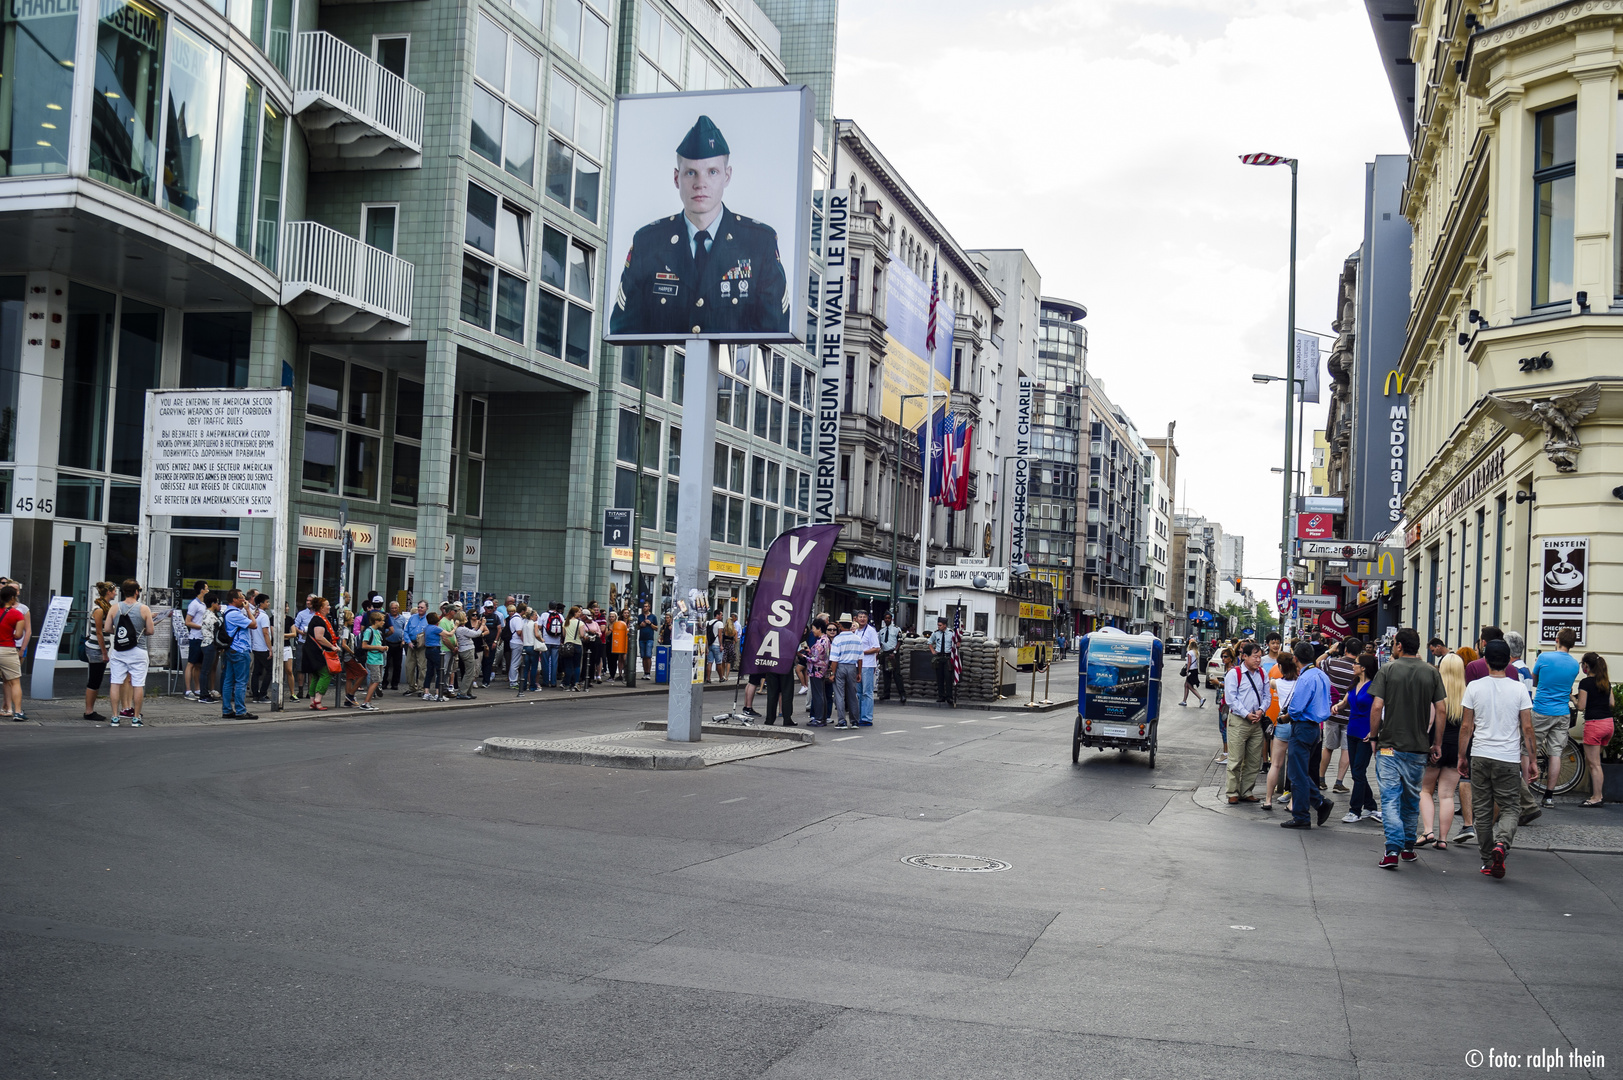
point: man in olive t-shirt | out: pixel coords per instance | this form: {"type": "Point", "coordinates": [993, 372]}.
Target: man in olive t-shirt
{"type": "Point", "coordinates": [1406, 722]}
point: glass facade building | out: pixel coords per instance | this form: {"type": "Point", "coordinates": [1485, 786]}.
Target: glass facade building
{"type": "Point", "coordinates": [1057, 439]}
{"type": "Point", "coordinates": [269, 193]}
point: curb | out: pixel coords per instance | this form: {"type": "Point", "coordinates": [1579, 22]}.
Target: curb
{"type": "Point", "coordinates": [335, 714]}
{"type": "Point", "coordinates": [516, 750]}
{"type": "Point", "coordinates": [1012, 707]}
{"type": "Point", "coordinates": [752, 731]}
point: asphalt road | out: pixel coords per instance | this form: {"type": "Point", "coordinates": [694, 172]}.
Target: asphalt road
{"type": "Point", "coordinates": [369, 898]}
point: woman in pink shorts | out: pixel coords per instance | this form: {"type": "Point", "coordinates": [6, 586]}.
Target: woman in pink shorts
{"type": "Point", "coordinates": [1595, 703]}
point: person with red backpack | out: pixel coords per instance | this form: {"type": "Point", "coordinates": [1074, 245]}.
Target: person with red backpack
{"type": "Point", "coordinates": [552, 636]}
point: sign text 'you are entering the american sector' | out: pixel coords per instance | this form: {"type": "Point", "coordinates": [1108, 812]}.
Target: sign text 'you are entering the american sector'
{"type": "Point", "coordinates": [216, 452]}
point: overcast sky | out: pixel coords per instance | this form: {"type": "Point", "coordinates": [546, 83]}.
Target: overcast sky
{"type": "Point", "coordinates": [1102, 136]}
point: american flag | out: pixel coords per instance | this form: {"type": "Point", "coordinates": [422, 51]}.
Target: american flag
{"type": "Point", "coordinates": [949, 459]}
{"type": "Point", "coordinates": [935, 298]}
{"type": "Point", "coordinates": [1263, 159]}
{"type": "Point", "coordinates": [957, 640]}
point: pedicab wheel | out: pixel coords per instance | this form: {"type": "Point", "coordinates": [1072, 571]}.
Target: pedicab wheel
{"type": "Point", "coordinates": [1076, 742]}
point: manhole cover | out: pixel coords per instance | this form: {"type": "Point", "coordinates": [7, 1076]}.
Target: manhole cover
{"type": "Point", "coordinates": [964, 864]}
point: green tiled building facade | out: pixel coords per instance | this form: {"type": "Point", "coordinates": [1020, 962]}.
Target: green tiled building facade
{"type": "Point", "coordinates": [398, 210]}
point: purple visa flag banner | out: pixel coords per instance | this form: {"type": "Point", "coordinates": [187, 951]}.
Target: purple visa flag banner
{"type": "Point", "coordinates": [784, 595]}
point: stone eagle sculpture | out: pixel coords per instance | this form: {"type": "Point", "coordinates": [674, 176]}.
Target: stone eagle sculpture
{"type": "Point", "coordinates": [1559, 416]}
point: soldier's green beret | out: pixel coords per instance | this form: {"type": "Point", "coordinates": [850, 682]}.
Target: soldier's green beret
{"type": "Point", "coordinates": [703, 140]}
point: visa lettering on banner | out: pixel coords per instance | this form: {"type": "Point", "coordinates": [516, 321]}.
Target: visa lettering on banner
{"type": "Point", "coordinates": [784, 596]}
{"type": "Point", "coordinates": [828, 344]}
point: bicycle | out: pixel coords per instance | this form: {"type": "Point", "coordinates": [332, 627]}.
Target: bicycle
{"type": "Point", "coordinates": [1573, 771]}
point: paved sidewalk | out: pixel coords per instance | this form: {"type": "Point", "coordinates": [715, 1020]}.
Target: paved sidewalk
{"type": "Point", "coordinates": [160, 709]}
{"type": "Point", "coordinates": [1562, 827]}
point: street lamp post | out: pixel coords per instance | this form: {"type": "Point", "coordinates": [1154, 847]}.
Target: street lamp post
{"type": "Point", "coordinates": [1290, 360]}
{"type": "Point", "coordinates": [895, 506]}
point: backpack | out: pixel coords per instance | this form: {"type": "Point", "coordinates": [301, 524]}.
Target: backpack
{"type": "Point", "coordinates": [555, 624]}
{"type": "Point", "coordinates": [222, 636]}
{"type": "Point", "coordinates": [124, 632]}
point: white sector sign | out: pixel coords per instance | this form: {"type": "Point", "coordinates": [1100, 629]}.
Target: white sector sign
{"type": "Point", "coordinates": [215, 452]}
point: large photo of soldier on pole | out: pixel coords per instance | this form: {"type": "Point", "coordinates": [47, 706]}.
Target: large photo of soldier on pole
{"type": "Point", "coordinates": [709, 216]}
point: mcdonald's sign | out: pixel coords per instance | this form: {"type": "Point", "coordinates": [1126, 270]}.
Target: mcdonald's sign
{"type": "Point", "coordinates": [1386, 566]}
{"type": "Point", "coordinates": [1393, 376]}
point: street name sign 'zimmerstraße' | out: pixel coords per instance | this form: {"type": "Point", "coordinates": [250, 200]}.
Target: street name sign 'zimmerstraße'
{"type": "Point", "coordinates": [1336, 549]}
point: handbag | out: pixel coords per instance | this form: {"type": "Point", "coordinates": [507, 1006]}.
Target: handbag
{"type": "Point", "coordinates": [334, 664]}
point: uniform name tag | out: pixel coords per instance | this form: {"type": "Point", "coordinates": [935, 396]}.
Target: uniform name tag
{"type": "Point", "coordinates": [665, 290]}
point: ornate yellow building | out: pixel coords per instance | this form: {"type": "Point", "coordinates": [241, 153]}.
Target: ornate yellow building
{"type": "Point", "coordinates": [1513, 359]}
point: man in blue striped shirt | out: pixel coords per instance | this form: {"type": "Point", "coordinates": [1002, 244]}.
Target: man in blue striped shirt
{"type": "Point", "coordinates": [845, 658]}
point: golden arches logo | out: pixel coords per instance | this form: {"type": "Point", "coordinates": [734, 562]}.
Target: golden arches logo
{"type": "Point", "coordinates": [1386, 563]}
{"type": "Point", "coordinates": [1390, 375]}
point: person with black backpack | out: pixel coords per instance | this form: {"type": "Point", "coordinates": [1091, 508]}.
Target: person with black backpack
{"type": "Point", "coordinates": [127, 660]}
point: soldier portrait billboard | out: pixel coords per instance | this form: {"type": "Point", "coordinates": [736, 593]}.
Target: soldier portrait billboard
{"type": "Point", "coordinates": [710, 216]}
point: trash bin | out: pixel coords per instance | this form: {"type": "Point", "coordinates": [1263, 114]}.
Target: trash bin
{"type": "Point", "coordinates": [662, 663]}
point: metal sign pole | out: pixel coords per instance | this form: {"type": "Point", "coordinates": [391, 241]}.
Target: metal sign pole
{"type": "Point", "coordinates": [684, 714]}
{"type": "Point", "coordinates": [281, 588]}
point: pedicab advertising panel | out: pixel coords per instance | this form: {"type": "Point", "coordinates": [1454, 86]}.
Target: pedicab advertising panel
{"type": "Point", "coordinates": [1120, 704]}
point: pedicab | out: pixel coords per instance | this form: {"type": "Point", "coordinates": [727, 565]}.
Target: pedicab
{"type": "Point", "coordinates": [1119, 707]}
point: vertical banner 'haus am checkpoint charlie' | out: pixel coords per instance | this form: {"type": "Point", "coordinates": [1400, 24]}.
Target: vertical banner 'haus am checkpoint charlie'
{"type": "Point", "coordinates": [711, 216]}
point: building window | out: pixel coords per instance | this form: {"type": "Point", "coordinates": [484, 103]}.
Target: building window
{"type": "Point", "coordinates": [124, 138]}
{"type": "Point", "coordinates": [392, 52]}
{"type": "Point", "coordinates": [647, 361]}
{"type": "Point", "coordinates": [563, 323]}
{"type": "Point", "coordinates": [36, 70]}
{"type": "Point", "coordinates": [191, 136]}
{"type": "Point", "coordinates": [531, 10]}
{"type": "Point", "coordinates": [659, 52]}
{"type": "Point", "coordinates": [582, 30]}
{"type": "Point", "coordinates": [1617, 216]}
{"type": "Point", "coordinates": [407, 444]}
{"type": "Point", "coordinates": [473, 491]}
{"type": "Point", "coordinates": [378, 225]}
{"type": "Point", "coordinates": [343, 452]}
{"type": "Point", "coordinates": [1554, 184]}
{"type": "Point", "coordinates": [703, 72]}
{"type": "Point", "coordinates": [500, 230]}
{"type": "Point", "coordinates": [574, 148]}
{"type": "Point", "coordinates": [504, 101]}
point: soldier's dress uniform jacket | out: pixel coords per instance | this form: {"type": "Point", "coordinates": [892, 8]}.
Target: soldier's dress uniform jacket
{"type": "Point", "coordinates": [742, 289]}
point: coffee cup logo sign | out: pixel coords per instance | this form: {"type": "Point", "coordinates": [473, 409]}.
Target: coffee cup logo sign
{"type": "Point", "coordinates": [1564, 587]}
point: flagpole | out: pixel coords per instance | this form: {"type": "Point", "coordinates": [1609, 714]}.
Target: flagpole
{"type": "Point", "coordinates": [929, 454]}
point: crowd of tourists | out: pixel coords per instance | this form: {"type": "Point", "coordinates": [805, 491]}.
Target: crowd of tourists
{"type": "Point", "coordinates": [227, 643]}
{"type": "Point", "coordinates": [1476, 723]}
{"type": "Point", "coordinates": [448, 653]}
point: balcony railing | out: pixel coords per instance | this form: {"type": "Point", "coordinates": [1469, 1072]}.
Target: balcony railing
{"type": "Point", "coordinates": [356, 113]}
{"type": "Point", "coordinates": [332, 281]}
